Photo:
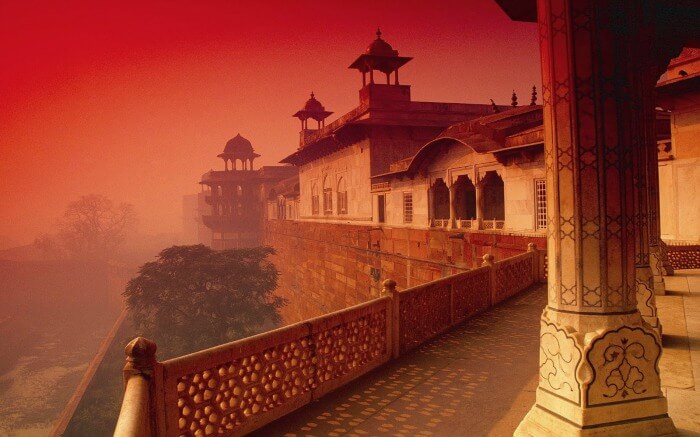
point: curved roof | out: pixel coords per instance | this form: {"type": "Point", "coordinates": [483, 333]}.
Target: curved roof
{"type": "Point", "coordinates": [239, 146]}
{"type": "Point", "coordinates": [379, 55]}
{"type": "Point", "coordinates": [313, 105]}
{"type": "Point", "coordinates": [312, 109]}
{"type": "Point", "coordinates": [379, 47]}
{"type": "Point", "coordinates": [488, 134]}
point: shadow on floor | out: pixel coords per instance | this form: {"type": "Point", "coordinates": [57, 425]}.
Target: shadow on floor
{"type": "Point", "coordinates": [477, 379]}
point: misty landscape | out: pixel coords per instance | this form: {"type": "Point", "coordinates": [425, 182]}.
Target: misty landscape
{"type": "Point", "coordinates": [231, 218]}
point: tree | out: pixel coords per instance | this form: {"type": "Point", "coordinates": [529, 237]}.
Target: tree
{"type": "Point", "coordinates": [93, 226]}
{"type": "Point", "coordinates": [193, 297]}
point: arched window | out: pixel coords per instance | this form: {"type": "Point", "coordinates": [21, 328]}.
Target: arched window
{"type": "Point", "coordinates": [327, 196]}
{"type": "Point", "coordinates": [464, 198]}
{"type": "Point", "coordinates": [441, 200]}
{"type": "Point", "coordinates": [314, 198]}
{"type": "Point", "coordinates": [342, 197]}
{"type": "Point", "coordinates": [494, 207]}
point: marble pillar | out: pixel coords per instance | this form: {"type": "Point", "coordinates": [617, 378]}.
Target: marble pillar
{"type": "Point", "coordinates": [599, 358]}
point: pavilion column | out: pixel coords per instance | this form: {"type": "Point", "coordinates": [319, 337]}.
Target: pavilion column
{"type": "Point", "coordinates": [656, 261]}
{"type": "Point", "coordinates": [451, 225]}
{"type": "Point", "coordinates": [479, 203]}
{"type": "Point", "coordinates": [599, 359]}
{"type": "Point", "coordinates": [645, 191]}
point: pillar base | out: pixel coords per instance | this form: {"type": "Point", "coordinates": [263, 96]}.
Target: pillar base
{"type": "Point", "coordinates": [659, 287]}
{"type": "Point", "coordinates": [655, 324]}
{"type": "Point", "coordinates": [541, 422]}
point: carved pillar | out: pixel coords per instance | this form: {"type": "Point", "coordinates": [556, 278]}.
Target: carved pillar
{"type": "Point", "coordinates": [645, 220]}
{"type": "Point", "coordinates": [655, 250]}
{"type": "Point", "coordinates": [451, 225]}
{"type": "Point", "coordinates": [479, 200]}
{"type": "Point", "coordinates": [599, 370]}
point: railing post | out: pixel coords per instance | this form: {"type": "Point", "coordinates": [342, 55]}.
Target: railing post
{"type": "Point", "coordinates": [488, 262]}
{"type": "Point", "coordinates": [137, 416]}
{"type": "Point", "coordinates": [453, 316]}
{"type": "Point", "coordinates": [532, 250]}
{"type": "Point", "coordinates": [389, 289]}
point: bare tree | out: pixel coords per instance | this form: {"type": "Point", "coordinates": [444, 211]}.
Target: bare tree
{"type": "Point", "coordinates": [94, 227]}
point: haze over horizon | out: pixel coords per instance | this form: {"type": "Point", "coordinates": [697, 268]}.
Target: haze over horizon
{"type": "Point", "coordinates": [134, 101]}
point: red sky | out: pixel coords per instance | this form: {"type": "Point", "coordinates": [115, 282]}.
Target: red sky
{"type": "Point", "coordinates": [134, 99]}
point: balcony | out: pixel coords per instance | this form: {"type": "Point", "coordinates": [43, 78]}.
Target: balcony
{"type": "Point", "coordinates": [238, 387]}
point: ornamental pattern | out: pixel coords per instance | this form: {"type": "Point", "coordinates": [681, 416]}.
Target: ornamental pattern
{"type": "Point", "coordinates": [684, 257]}
{"type": "Point", "coordinates": [423, 312]}
{"type": "Point", "coordinates": [224, 398]}
{"type": "Point", "coordinates": [471, 294]}
{"type": "Point", "coordinates": [512, 276]}
{"type": "Point", "coordinates": [219, 399]}
{"type": "Point", "coordinates": [625, 366]}
{"type": "Point", "coordinates": [346, 347]}
{"type": "Point", "coordinates": [559, 359]}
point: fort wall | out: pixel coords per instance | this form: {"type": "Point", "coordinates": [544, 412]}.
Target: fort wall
{"type": "Point", "coordinates": [326, 267]}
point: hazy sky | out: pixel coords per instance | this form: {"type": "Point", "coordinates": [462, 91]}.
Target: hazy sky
{"type": "Point", "coordinates": [134, 99]}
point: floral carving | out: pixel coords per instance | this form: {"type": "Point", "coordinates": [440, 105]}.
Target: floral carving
{"type": "Point", "coordinates": [625, 366]}
{"type": "Point", "coordinates": [625, 377]}
{"type": "Point", "coordinates": [559, 359]}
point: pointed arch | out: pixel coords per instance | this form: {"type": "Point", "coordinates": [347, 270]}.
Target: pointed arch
{"type": "Point", "coordinates": [342, 196]}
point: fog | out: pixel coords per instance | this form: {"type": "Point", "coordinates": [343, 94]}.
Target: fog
{"type": "Point", "coordinates": [134, 101]}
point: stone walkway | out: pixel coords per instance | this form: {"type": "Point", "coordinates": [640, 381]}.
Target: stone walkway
{"type": "Point", "coordinates": [480, 378]}
{"type": "Point", "coordinates": [679, 312]}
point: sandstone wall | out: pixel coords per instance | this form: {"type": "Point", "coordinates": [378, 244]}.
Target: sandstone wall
{"type": "Point", "coordinates": [325, 267]}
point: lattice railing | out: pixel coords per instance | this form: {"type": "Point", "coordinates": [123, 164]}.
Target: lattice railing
{"type": "Point", "coordinates": [493, 224]}
{"type": "Point", "coordinates": [684, 255]}
{"type": "Point", "coordinates": [439, 223]}
{"type": "Point", "coordinates": [430, 309]}
{"type": "Point", "coordinates": [238, 387]}
{"type": "Point", "coordinates": [466, 224]}
{"type": "Point", "coordinates": [512, 275]}
{"type": "Point", "coordinates": [424, 312]}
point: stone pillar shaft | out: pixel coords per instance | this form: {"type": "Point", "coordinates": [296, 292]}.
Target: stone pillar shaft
{"type": "Point", "coordinates": [598, 359]}
{"type": "Point", "coordinates": [452, 207]}
{"type": "Point", "coordinates": [479, 203]}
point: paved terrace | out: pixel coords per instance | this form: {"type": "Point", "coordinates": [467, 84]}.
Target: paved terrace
{"type": "Point", "coordinates": [480, 378]}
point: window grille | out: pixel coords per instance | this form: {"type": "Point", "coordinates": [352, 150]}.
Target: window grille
{"type": "Point", "coordinates": [327, 197]}
{"type": "Point", "coordinates": [327, 201]}
{"type": "Point", "coordinates": [314, 200]}
{"type": "Point", "coordinates": [540, 204]}
{"type": "Point", "coordinates": [407, 207]}
{"type": "Point", "coordinates": [342, 197]}
{"type": "Point", "coordinates": [342, 202]}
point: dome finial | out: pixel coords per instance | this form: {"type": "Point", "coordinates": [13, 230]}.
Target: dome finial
{"type": "Point", "coordinates": [379, 33]}
{"type": "Point", "coordinates": [312, 94]}
{"type": "Point", "coordinates": [514, 100]}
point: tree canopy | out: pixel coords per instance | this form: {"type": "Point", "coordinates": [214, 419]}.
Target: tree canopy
{"type": "Point", "coordinates": [193, 297]}
{"type": "Point", "coordinates": [92, 226]}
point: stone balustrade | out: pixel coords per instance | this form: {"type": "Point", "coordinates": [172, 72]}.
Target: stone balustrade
{"type": "Point", "coordinates": [493, 224]}
{"type": "Point", "coordinates": [683, 255]}
{"type": "Point", "coordinates": [238, 387]}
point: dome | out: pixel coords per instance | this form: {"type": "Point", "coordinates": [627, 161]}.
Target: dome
{"type": "Point", "coordinates": [239, 146]}
{"type": "Point", "coordinates": [313, 105]}
{"type": "Point", "coordinates": [379, 47]}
